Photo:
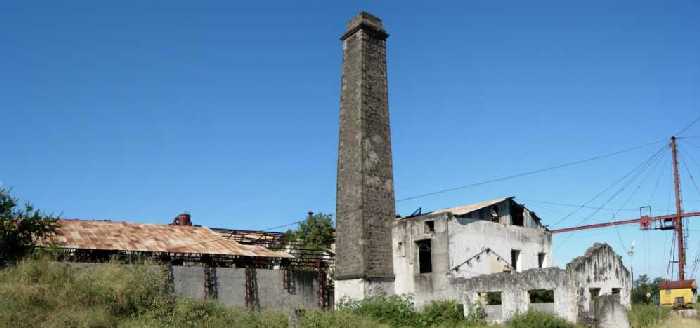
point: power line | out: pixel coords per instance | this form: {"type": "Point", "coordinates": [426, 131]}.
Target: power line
{"type": "Point", "coordinates": [508, 177]}
{"type": "Point", "coordinates": [527, 173]}
{"type": "Point", "coordinates": [513, 176]}
{"type": "Point", "coordinates": [613, 196]}
{"type": "Point", "coordinates": [690, 174]}
{"type": "Point", "coordinates": [623, 178]}
{"type": "Point", "coordinates": [577, 205]}
{"type": "Point", "coordinates": [688, 126]}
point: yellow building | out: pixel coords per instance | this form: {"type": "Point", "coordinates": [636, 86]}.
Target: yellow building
{"type": "Point", "coordinates": [680, 293]}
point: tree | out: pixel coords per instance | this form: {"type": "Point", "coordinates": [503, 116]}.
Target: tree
{"type": "Point", "coordinates": [643, 286]}
{"type": "Point", "coordinates": [20, 227]}
{"type": "Point", "coordinates": [316, 232]}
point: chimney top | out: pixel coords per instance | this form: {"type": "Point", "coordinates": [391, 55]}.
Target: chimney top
{"type": "Point", "coordinates": [367, 22]}
{"type": "Point", "coordinates": [183, 219]}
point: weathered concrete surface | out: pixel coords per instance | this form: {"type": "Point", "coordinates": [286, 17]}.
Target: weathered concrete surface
{"type": "Point", "coordinates": [188, 281]}
{"type": "Point", "coordinates": [454, 240]}
{"type": "Point", "coordinates": [610, 313]}
{"type": "Point", "coordinates": [600, 269]}
{"type": "Point", "coordinates": [354, 289]}
{"type": "Point", "coordinates": [231, 286]}
{"type": "Point", "coordinates": [514, 289]}
{"type": "Point", "coordinates": [273, 295]}
{"type": "Point", "coordinates": [365, 187]}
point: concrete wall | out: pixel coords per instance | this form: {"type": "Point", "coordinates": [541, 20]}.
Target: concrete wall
{"type": "Point", "coordinates": [231, 287]}
{"type": "Point", "coordinates": [599, 268]}
{"type": "Point", "coordinates": [610, 313]}
{"type": "Point", "coordinates": [456, 239]}
{"type": "Point", "coordinates": [188, 281]}
{"type": "Point", "coordinates": [230, 284]}
{"type": "Point", "coordinates": [515, 297]}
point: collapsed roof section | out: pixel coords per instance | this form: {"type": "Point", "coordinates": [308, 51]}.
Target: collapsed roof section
{"type": "Point", "coordinates": [503, 210]}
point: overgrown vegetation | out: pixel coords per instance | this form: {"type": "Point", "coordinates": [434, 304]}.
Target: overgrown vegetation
{"type": "Point", "coordinates": [315, 232]}
{"type": "Point", "coordinates": [535, 319]}
{"type": "Point", "coordinates": [645, 290]}
{"type": "Point", "coordinates": [42, 293]}
{"type": "Point", "coordinates": [19, 227]}
{"type": "Point", "coordinates": [50, 294]}
{"type": "Point", "coordinates": [647, 315]}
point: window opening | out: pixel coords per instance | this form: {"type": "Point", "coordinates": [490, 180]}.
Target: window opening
{"type": "Point", "coordinates": [425, 263]}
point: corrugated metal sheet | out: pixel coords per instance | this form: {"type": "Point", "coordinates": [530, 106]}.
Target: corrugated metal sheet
{"type": "Point", "coordinates": [136, 237]}
{"type": "Point", "coordinates": [678, 284]}
{"type": "Point", "coordinates": [466, 209]}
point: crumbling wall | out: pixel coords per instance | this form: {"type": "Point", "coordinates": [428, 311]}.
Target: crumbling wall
{"type": "Point", "coordinates": [599, 271]}
{"type": "Point", "coordinates": [515, 288]}
{"type": "Point", "coordinates": [408, 278]}
{"type": "Point", "coordinates": [610, 313]}
{"type": "Point", "coordinates": [454, 241]}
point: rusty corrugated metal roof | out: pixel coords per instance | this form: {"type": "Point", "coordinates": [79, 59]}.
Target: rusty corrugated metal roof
{"type": "Point", "coordinates": [678, 284]}
{"type": "Point", "coordinates": [137, 237]}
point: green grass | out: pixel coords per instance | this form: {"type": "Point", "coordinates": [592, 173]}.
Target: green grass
{"type": "Point", "coordinates": [41, 293]}
{"type": "Point", "coordinates": [647, 315]}
{"type": "Point", "coordinates": [535, 319]}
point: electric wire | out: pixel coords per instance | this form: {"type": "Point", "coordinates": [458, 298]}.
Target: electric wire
{"type": "Point", "coordinates": [679, 133]}
{"type": "Point", "coordinates": [527, 173]}
{"type": "Point", "coordinates": [614, 195]}
{"type": "Point", "coordinates": [480, 183]}
{"type": "Point", "coordinates": [528, 200]}
{"type": "Point", "coordinates": [615, 183]}
{"type": "Point", "coordinates": [690, 174]}
{"type": "Point", "coordinates": [632, 194]}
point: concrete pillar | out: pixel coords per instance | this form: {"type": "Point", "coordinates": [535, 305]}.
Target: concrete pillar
{"type": "Point", "coordinates": [365, 188]}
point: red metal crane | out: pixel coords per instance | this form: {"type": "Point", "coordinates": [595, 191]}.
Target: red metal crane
{"type": "Point", "coordinates": [662, 222]}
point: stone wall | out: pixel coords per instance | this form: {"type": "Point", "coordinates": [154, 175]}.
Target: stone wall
{"type": "Point", "coordinates": [365, 188]}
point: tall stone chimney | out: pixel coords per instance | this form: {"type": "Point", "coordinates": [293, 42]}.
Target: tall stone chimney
{"type": "Point", "coordinates": [365, 205]}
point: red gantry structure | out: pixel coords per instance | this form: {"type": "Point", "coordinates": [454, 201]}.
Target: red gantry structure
{"type": "Point", "coordinates": [663, 222]}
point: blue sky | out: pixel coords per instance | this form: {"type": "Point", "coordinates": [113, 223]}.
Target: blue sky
{"type": "Point", "coordinates": [140, 110]}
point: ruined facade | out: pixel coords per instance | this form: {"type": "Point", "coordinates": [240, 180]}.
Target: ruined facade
{"type": "Point", "coordinates": [572, 293]}
{"type": "Point", "coordinates": [431, 250]}
{"type": "Point", "coordinates": [365, 187]}
{"type": "Point", "coordinates": [202, 263]}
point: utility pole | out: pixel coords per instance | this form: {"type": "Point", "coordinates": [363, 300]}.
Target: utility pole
{"type": "Point", "coordinates": [678, 220]}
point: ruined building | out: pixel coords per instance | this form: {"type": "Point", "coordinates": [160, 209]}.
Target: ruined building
{"type": "Point", "coordinates": [235, 268]}
{"type": "Point", "coordinates": [494, 255]}
{"type": "Point", "coordinates": [433, 249]}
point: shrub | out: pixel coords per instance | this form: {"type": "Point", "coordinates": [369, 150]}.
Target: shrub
{"type": "Point", "coordinates": [397, 311]}
{"type": "Point", "coordinates": [339, 319]}
{"type": "Point", "coordinates": [646, 315]}
{"type": "Point", "coordinates": [442, 312]}
{"type": "Point", "coordinates": [534, 319]}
